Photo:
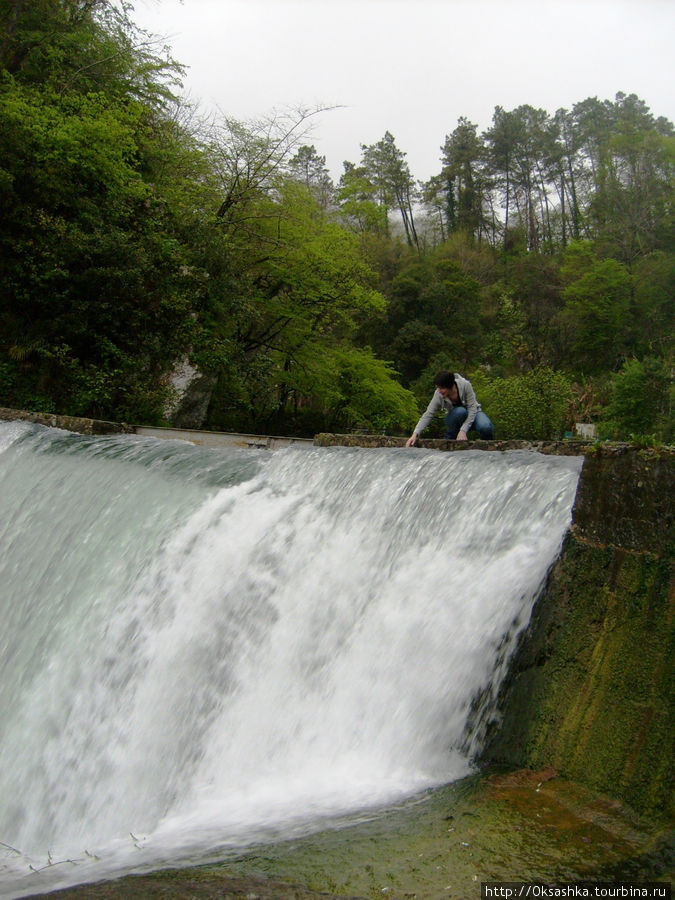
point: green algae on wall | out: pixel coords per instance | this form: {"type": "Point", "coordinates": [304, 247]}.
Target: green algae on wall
{"type": "Point", "coordinates": [590, 690]}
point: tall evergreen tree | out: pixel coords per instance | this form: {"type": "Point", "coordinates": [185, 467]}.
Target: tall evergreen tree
{"type": "Point", "coordinates": [310, 168]}
{"type": "Point", "coordinates": [389, 172]}
{"type": "Point", "coordinates": [464, 174]}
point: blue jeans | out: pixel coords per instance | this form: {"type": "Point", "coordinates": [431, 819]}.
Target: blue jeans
{"type": "Point", "coordinates": [457, 415]}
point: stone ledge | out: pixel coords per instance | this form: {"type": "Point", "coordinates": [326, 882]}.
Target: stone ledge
{"type": "Point", "coordinates": [570, 447]}
{"type": "Point", "coordinates": [559, 448]}
{"type": "Point", "coordinates": [68, 423]}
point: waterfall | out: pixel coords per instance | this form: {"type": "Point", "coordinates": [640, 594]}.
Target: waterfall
{"type": "Point", "coordinates": [204, 648]}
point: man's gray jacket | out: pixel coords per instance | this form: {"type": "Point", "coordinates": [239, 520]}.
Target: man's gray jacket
{"type": "Point", "coordinates": [467, 398]}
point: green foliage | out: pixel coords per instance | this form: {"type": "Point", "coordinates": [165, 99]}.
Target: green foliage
{"type": "Point", "coordinates": [653, 304]}
{"type": "Point", "coordinates": [310, 169]}
{"type": "Point", "coordinates": [291, 364]}
{"type": "Point", "coordinates": [357, 391]}
{"type": "Point", "coordinates": [357, 197]}
{"type": "Point", "coordinates": [597, 307]}
{"type": "Point", "coordinates": [589, 399]}
{"type": "Point", "coordinates": [383, 167]}
{"type": "Point", "coordinates": [434, 308]}
{"type": "Point", "coordinates": [372, 397]}
{"type": "Point", "coordinates": [533, 281]}
{"type": "Point", "coordinates": [132, 238]}
{"type": "Point", "coordinates": [507, 345]}
{"type": "Point", "coordinates": [533, 406]}
{"type": "Point", "coordinates": [413, 344]}
{"type": "Point", "coordinates": [94, 304]}
{"type": "Point", "coordinates": [640, 402]}
{"type": "Point", "coordinates": [632, 204]}
{"type": "Point", "coordinates": [323, 388]}
{"type": "Point", "coordinates": [463, 179]}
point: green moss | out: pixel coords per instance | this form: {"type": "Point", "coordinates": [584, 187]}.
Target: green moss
{"type": "Point", "coordinates": [598, 707]}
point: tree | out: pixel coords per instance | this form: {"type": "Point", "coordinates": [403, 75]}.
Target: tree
{"type": "Point", "coordinates": [533, 286]}
{"type": "Point", "coordinates": [597, 306]}
{"type": "Point", "coordinates": [627, 159]}
{"type": "Point", "coordinates": [434, 307]}
{"type": "Point", "coordinates": [310, 168]}
{"type": "Point", "coordinates": [501, 142]}
{"type": "Point", "coordinates": [533, 406]}
{"type": "Point", "coordinates": [97, 304]}
{"type": "Point", "coordinates": [640, 401]}
{"type": "Point", "coordinates": [308, 290]}
{"type": "Point", "coordinates": [357, 197]}
{"type": "Point", "coordinates": [463, 176]}
{"type": "Point", "coordinates": [437, 200]}
{"type": "Point", "coordinates": [564, 163]}
{"type": "Point", "coordinates": [634, 209]}
{"type": "Point", "coordinates": [523, 137]}
{"type": "Point", "coordinates": [653, 305]}
{"type": "Point", "coordinates": [347, 388]}
{"type": "Point", "coordinates": [387, 169]}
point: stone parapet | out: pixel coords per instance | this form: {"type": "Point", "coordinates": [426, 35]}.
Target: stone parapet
{"type": "Point", "coordinates": [68, 423]}
{"type": "Point", "coordinates": [559, 448]}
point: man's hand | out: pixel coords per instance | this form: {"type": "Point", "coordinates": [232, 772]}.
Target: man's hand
{"type": "Point", "coordinates": [412, 440]}
{"type": "Point", "coordinates": [461, 436]}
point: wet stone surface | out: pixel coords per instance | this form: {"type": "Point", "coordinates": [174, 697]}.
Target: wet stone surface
{"type": "Point", "coordinates": [522, 826]}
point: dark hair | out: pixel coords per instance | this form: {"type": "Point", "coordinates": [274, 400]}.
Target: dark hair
{"type": "Point", "coordinates": [444, 380]}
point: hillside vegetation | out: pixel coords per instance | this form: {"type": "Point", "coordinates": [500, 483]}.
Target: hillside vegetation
{"type": "Point", "coordinates": [137, 239]}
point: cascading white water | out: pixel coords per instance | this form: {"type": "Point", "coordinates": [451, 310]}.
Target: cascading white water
{"type": "Point", "coordinates": [199, 648]}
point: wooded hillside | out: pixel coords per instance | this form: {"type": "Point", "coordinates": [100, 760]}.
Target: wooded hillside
{"type": "Point", "coordinates": [137, 240]}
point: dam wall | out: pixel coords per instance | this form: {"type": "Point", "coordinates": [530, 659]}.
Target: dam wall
{"type": "Point", "coordinates": [590, 687]}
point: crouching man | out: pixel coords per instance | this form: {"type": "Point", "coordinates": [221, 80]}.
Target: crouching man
{"type": "Point", "coordinates": [463, 413]}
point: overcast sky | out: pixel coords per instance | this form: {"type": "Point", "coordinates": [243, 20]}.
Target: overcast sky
{"type": "Point", "coordinates": [413, 67]}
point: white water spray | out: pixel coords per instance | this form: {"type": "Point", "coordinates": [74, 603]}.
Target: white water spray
{"type": "Point", "coordinates": [199, 649]}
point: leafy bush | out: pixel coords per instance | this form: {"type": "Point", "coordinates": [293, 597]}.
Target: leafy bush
{"type": "Point", "coordinates": [533, 406]}
{"type": "Point", "coordinates": [370, 396]}
{"type": "Point", "coordinates": [640, 402]}
{"type": "Point", "coordinates": [597, 308]}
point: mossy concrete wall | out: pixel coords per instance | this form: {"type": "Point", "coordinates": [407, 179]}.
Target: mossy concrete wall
{"type": "Point", "coordinates": [590, 688]}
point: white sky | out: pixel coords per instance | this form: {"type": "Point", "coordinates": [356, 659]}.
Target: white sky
{"type": "Point", "coordinates": [413, 67]}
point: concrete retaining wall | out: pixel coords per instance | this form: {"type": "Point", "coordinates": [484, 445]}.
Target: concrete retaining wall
{"type": "Point", "coordinates": [590, 689]}
{"type": "Point", "coordinates": [559, 448]}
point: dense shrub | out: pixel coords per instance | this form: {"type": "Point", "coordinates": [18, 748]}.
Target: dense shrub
{"type": "Point", "coordinates": [533, 406]}
{"type": "Point", "coordinates": [640, 402]}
